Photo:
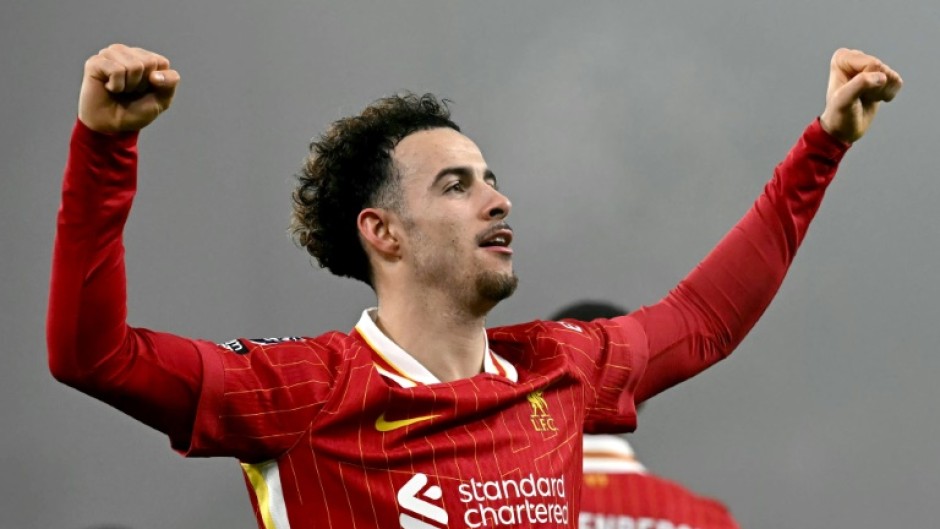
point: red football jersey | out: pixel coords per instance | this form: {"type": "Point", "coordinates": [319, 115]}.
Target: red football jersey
{"type": "Point", "coordinates": [351, 431]}
{"type": "Point", "coordinates": [619, 493]}
{"type": "Point", "coordinates": [348, 430]}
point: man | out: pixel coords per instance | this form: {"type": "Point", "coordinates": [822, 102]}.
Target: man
{"type": "Point", "coordinates": [618, 491]}
{"type": "Point", "coordinates": [418, 418]}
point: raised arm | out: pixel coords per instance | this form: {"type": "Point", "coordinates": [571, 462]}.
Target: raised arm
{"type": "Point", "coordinates": [708, 314]}
{"type": "Point", "coordinates": [151, 376]}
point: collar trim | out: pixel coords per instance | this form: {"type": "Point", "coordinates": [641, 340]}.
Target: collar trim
{"type": "Point", "coordinates": [395, 363]}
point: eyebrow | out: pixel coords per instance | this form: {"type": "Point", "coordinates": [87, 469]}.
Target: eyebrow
{"type": "Point", "coordinates": [462, 172]}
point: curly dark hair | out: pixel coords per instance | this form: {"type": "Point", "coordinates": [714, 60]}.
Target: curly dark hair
{"type": "Point", "coordinates": [350, 168]}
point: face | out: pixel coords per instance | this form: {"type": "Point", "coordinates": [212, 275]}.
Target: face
{"type": "Point", "coordinates": [455, 236]}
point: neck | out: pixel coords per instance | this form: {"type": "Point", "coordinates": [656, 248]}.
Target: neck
{"type": "Point", "coordinates": [449, 341]}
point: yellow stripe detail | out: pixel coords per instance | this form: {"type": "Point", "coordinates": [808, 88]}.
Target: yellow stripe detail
{"type": "Point", "coordinates": [402, 381]}
{"type": "Point", "coordinates": [383, 357]}
{"type": "Point", "coordinates": [256, 478]}
{"type": "Point", "coordinates": [500, 369]}
{"type": "Point", "coordinates": [608, 455]}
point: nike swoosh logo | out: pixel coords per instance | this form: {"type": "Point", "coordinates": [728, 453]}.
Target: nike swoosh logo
{"type": "Point", "coordinates": [383, 425]}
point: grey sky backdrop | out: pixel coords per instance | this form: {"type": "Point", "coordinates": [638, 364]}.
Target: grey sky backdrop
{"type": "Point", "coordinates": [629, 135]}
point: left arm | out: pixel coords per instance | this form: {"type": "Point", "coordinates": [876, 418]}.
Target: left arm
{"type": "Point", "coordinates": [708, 314]}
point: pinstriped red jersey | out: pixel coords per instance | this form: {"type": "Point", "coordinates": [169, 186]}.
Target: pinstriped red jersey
{"type": "Point", "coordinates": [347, 430]}
{"type": "Point", "coordinates": [351, 431]}
{"type": "Point", "coordinates": [619, 493]}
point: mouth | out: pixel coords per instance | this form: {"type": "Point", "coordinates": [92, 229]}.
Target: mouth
{"type": "Point", "coordinates": [497, 239]}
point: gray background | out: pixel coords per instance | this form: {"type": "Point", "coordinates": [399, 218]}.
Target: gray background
{"type": "Point", "coordinates": [630, 137]}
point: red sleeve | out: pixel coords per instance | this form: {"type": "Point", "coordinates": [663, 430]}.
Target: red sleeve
{"type": "Point", "coordinates": [708, 314]}
{"type": "Point", "coordinates": [154, 377]}
{"type": "Point", "coordinates": [207, 398]}
{"type": "Point", "coordinates": [151, 376]}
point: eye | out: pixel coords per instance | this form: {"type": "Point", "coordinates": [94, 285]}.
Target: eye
{"type": "Point", "coordinates": [456, 187]}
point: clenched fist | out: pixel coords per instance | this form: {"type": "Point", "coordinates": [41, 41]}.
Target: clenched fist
{"type": "Point", "coordinates": [858, 83]}
{"type": "Point", "coordinates": [125, 89]}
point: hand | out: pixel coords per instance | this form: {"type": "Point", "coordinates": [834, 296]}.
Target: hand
{"type": "Point", "coordinates": [125, 89]}
{"type": "Point", "coordinates": [857, 84]}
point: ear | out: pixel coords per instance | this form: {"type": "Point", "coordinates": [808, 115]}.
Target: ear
{"type": "Point", "coordinates": [374, 226]}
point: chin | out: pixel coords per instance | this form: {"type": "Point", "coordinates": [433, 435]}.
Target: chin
{"type": "Point", "coordinates": [497, 287]}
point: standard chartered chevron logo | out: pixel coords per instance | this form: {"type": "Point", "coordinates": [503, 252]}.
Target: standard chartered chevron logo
{"type": "Point", "coordinates": [409, 500]}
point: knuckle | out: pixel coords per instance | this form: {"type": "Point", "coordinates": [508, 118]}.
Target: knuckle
{"type": "Point", "coordinates": [135, 66]}
{"type": "Point", "coordinates": [98, 62]}
{"type": "Point", "coordinates": [155, 62]}
{"type": "Point", "coordinates": [142, 54]}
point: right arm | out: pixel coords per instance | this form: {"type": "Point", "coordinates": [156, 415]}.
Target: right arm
{"type": "Point", "coordinates": [153, 377]}
{"type": "Point", "coordinates": [210, 401]}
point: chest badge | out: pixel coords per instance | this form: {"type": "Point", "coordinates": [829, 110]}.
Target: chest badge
{"type": "Point", "coordinates": [541, 419]}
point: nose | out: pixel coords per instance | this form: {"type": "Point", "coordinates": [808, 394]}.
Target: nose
{"type": "Point", "coordinates": [499, 206]}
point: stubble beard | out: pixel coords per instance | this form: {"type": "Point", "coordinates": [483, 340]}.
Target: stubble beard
{"type": "Point", "coordinates": [478, 293]}
{"type": "Point", "coordinates": [495, 287]}
{"type": "Point", "coordinates": [488, 287]}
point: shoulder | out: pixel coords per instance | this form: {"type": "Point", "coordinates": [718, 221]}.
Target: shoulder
{"type": "Point", "coordinates": [243, 346]}
{"type": "Point", "coordinates": [329, 349]}
{"type": "Point", "coordinates": [566, 332]}
{"type": "Point", "coordinates": [572, 345]}
{"type": "Point", "coordinates": [545, 340]}
{"type": "Point", "coordinates": [538, 335]}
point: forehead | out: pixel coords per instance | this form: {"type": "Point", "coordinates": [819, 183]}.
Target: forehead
{"type": "Point", "coordinates": [425, 152]}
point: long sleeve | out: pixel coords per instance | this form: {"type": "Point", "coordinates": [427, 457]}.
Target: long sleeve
{"type": "Point", "coordinates": [154, 377]}
{"type": "Point", "coordinates": [708, 314]}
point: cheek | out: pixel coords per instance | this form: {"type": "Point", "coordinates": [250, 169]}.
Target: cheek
{"type": "Point", "coordinates": [459, 234]}
{"type": "Point", "coordinates": [446, 229]}
{"type": "Point", "coordinates": [449, 236]}
{"type": "Point", "coordinates": [440, 236]}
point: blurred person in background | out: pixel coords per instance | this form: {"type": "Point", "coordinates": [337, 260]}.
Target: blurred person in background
{"type": "Point", "coordinates": [618, 490]}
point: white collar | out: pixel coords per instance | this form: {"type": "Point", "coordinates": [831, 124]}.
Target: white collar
{"type": "Point", "coordinates": [610, 454]}
{"type": "Point", "coordinates": [396, 364]}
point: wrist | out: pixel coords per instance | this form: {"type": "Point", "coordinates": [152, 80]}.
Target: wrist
{"type": "Point", "coordinates": [826, 122]}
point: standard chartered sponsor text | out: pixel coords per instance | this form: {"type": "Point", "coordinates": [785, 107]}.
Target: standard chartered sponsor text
{"type": "Point", "coordinates": [510, 502]}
